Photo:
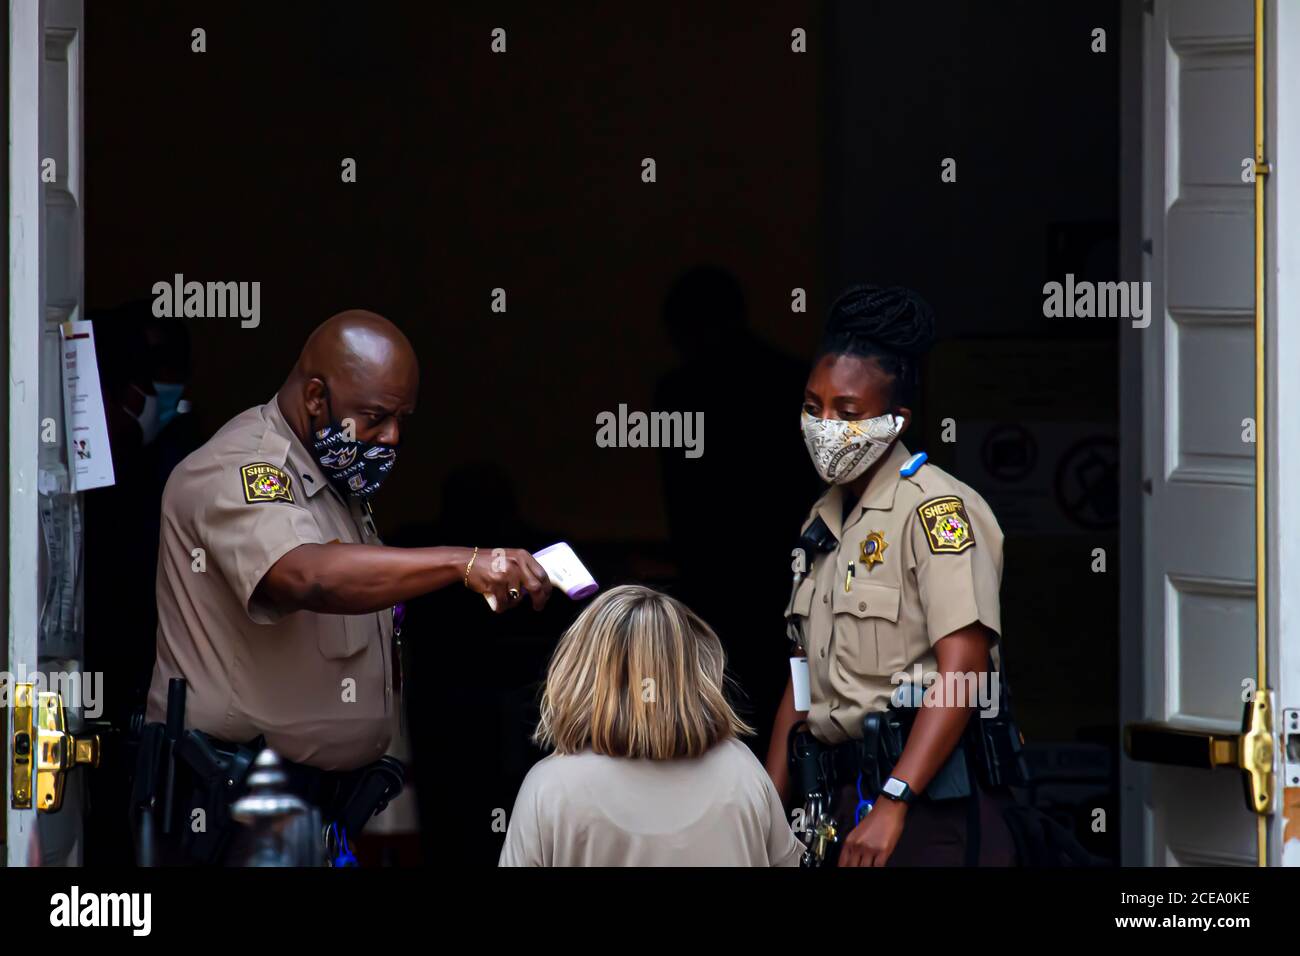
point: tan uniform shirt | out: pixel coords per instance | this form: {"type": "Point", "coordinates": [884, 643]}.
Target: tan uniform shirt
{"type": "Point", "coordinates": [318, 686]}
{"type": "Point", "coordinates": [591, 810]}
{"type": "Point", "coordinates": [940, 570]}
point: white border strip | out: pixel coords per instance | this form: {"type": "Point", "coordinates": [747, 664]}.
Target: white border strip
{"type": "Point", "coordinates": [26, 318]}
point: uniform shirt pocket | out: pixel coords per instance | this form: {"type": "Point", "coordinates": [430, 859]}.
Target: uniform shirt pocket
{"type": "Point", "coordinates": [871, 610]}
{"type": "Point", "coordinates": [344, 635]}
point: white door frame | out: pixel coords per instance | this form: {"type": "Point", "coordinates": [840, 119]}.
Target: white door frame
{"type": "Point", "coordinates": [46, 288]}
{"type": "Point", "coordinates": [26, 312]}
{"type": "Point", "coordinates": [1282, 297]}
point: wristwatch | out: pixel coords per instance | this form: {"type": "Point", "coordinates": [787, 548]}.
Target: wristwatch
{"type": "Point", "coordinates": [896, 789]}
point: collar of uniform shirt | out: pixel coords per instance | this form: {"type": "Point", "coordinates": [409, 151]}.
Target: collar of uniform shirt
{"type": "Point", "coordinates": [299, 461]}
{"type": "Point", "coordinates": [884, 483]}
{"type": "Point", "coordinates": [879, 493]}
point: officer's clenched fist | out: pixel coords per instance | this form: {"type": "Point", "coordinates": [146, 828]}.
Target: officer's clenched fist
{"type": "Point", "coordinates": [507, 575]}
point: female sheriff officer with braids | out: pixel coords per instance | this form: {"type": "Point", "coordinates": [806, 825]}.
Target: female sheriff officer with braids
{"type": "Point", "coordinates": [900, 566]}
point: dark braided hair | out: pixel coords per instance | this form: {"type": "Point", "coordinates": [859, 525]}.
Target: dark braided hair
{"type": "Point", "coordinates": [892, 325]}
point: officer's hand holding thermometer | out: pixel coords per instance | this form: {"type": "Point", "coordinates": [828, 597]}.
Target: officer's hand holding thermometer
{"type": "Point", "coordinates": [558, 563]}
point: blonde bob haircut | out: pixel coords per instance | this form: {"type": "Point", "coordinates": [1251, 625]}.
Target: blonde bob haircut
{"type": "Point", "coordinates": [638, 674]}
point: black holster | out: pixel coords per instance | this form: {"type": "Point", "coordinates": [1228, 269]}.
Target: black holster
{"type": "Point", "coordinates": [179, 772]}
{"type": "Point", "coordinates": [990, 752]}
{"type": "Point", "coordinates": [884, 735]}
{"type": "Point", "coordinates": [204, 778]}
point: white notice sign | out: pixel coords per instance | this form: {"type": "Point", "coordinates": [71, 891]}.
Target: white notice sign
{"type": "Point", "coordinates": [90, 460]}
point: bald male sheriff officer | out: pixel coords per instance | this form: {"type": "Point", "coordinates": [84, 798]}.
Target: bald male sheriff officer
{"type": "Point", "coordinates": [275, 595]}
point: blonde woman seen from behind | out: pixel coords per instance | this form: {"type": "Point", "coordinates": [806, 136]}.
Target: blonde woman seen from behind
{"type": "Point", "coordinates": [647, 768]}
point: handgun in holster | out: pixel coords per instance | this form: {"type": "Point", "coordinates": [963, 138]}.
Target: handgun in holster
{"type": "Point", "coordinates": [378, 783]}
{"type": "Point", "coordinates": [216, 778]}
{"type": "Point", "coordinates": [178, 772]}
{"type": "Point", "coordinates": [884, 736]}
{"type": "Point", "coordinates": [990, 750]}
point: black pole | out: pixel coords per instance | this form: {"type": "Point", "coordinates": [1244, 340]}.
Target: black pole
{"type": "Point", "coordinates": [175, 727]}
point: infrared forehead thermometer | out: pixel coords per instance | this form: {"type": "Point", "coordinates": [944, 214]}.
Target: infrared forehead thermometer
{"type": "Point", "coordinates": [565, 571]}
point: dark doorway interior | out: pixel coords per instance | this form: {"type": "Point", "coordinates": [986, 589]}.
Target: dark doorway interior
{"type": "Point", "coordinates": [522, 172]}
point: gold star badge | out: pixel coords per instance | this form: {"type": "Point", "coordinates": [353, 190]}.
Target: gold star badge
{"type": "Point", "coordinates": [873, 549]}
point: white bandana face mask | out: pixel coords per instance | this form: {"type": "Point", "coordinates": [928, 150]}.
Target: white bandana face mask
{"type": "Point", "coordinates": [841, 451]}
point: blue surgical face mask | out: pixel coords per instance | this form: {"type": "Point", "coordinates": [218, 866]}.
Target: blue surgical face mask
{"type": "Point", "coordinates": [169, 399]}
{"type": "Point", "coordinates": [148, 417]}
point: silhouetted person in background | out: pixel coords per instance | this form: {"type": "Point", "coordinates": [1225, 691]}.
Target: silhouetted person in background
{"type": "Point", "coordinates": [168, 342]}
{"type": "Point", "coordinates": [730, 512]}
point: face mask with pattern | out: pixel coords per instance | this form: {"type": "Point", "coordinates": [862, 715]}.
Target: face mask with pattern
{"type": "Point", "coordinates": [843, 450]}
{"type": "Point", "coordinates": [354, 466]}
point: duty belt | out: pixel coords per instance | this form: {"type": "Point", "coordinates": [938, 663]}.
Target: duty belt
{"type": "Point", "coordinates": [868, 761]}
{"type": "Point", "coordinates": [347, 797]}
{"type": "Point", "coordinates": [820, 770]}
{"type": "Point", "coordinates": [207, 773]}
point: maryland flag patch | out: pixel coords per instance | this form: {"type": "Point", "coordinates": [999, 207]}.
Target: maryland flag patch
{"type": "Point", "coordinates": [947, 526]}
{"type": "Point", "coordinates": [263, 482]}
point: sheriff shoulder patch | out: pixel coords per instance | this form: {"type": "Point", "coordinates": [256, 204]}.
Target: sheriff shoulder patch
{"type": "Point", "coordinates": [947, 526]}
{"type": "Point", "coordinates": [264, 482]}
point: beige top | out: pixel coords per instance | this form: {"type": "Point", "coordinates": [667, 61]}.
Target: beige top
{"type": "Point", "coordinates": [318, 686]}
{"type": "Point", "coordinates": [939, 570]}
{"type": "Point", "coordinates": [591, 810]}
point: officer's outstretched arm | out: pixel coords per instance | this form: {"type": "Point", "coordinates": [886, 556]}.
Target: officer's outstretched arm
{"type": "Point", "coordinates": [362, 578]}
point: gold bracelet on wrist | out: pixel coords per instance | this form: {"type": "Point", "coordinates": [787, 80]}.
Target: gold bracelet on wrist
{"type": "Point", "coordinates": [470, 565]}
